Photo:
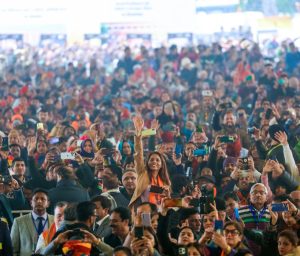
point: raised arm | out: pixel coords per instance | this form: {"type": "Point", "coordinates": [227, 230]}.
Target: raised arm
{"type": "Point", "coordinates": [138, 145]}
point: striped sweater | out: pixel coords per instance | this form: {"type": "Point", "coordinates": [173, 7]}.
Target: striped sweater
{"type": "Point", "coordinates": [254, 219]}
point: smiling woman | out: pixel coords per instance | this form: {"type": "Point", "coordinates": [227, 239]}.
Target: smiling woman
{"type": "Point", "coordinates": [153, 178]}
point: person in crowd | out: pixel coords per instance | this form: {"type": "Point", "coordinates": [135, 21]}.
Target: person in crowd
{"type": "Point", "coordinates": [120, 221]}
{"type": "Point", "coordinates": [26, 229]}
{"type": "Point", "coordinates": [154, 173]}
{"type": "Point", "coordinates": [129, 181]}
{"type": "Point", "coordinates": [86, 217]}
{"type": "Point", "coordinates": [103, 206]}
{"type": "Point", "coordinates": [46, 237]}
{"type": "Point", "coordinates": [288, 243]}
{"type": "Point", "coordinates": [256, 215]}
{"type": "Point", "coordinates": [18, 169]}
{"type": "Point", "coordinates": [207, 120]}
{"type": "Point", "coordinates": [5, 240]}
{"type": "Point", "coordinates": [67, 190]}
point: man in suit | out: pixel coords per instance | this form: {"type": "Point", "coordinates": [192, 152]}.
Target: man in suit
{"type": "Point", "coordinates": [67, 189]}
{"type": "Point", "coordinates": [103, 205]}
{"type": "Point", "coordinates": [26, 229]}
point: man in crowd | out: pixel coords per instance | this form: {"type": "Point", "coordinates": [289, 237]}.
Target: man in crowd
{"type": "Point", "coordinates": [26, 229]}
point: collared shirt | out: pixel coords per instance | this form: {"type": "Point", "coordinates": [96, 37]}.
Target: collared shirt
{"type": "Point", "coordinates": [36, 220]}
{"type": "Point", "coordinates": [101, 221]}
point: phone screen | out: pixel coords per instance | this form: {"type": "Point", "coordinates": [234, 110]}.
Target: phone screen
{"type": "Point", "coordinates": [218, 225]}
{"type": "Point", "coordinates": [279, 207]}
{"type": "Point", "coordinates": [5, 144]}
{"type": "Point", "coordinates": [138, 232]}
{"type": "Point", "coordinates": [173, 202]}
{"type": "Point", "coordinates": [146, 219]}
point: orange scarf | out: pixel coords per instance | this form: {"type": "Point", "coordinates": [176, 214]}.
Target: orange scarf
{"type": "Point", "coordinates": [49, 234]}
{"type": "Point", "coordinates": [153, 197]}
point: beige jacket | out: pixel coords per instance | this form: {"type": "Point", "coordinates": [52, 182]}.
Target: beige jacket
{"type": "Point", "coordinates": [143, 180]}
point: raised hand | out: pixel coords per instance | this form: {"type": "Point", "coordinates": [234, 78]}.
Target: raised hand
{"type": "Point", "coordinates": [155, 124]}
{"type": "Point", "coordinates": [176, 160]}
{"type": "Point", "coordinates": [31, 146]}
{"type": "Point", "coordinates": [138, 124]}
{"type": "Point", "coordinates": [281, 137]}
{"type": "Point", "coordinates": [274, 216]}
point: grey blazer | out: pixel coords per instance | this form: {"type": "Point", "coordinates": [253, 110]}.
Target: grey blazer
{"type": "Point", "coordinates": [24, 236]}
{"type": "Point", "coordinates": [104, 229]}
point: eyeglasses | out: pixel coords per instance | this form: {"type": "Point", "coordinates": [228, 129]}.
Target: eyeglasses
{"type": "Point", "coordinates": [255, 192]}
{"type": "Point", "coordinates": [233, 232]}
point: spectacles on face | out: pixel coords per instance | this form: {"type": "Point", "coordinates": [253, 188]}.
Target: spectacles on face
{"type": "Point", "coordinates": [255, 192]}
{"type": "Point", "coordinates": [232, 232]}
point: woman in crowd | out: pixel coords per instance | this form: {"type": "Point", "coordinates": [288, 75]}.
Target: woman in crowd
{"type": "Point", "coordinates": [288, 243]}
{"type": "Point", "coordinates": [153, 174]}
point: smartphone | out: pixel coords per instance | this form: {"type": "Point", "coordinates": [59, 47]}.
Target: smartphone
{"type": "Point", "coordinates": [5, 144]}
{"type": "Point", "coordinates": [156, 189]}
{"type": "Point", "coordinates": [245, 165]}
{"type": "Point", "coordinates": [218, 225]}
{"type": "Point", "coordinates": [53, 140]}
{"type": "Point", "coordinates": [78, 143]}
{"type": "Point", "coordinates": [173, 202]}
{"type": "Point", "coordinates": [40, 126]}
{"type": "Point", "coordinates": [237, 214]}
{"type": "Point", "coordinates": [280, 207]}
{"type": "Point", "coordinates": [178, 150]}
{"type": "Point", "coordinates": [199, 152]}
{"type": "Point", "coordinates": [148, 132]}
{"type": "Point", "coordinates": [146, 219]}
{"type": "Point", "coordinates": [107, 151]}
{"type": "Point", "coordinates": [199, 129]}
{"type": "Point", "coordinates": [67, 156]}
{"type": "Point", "coordinates": [268, 113]}
{"type": "Point", "coordinates": [226, 139]}
{"type": "Point", "coordinates": [195, 202]}
{"type": "Point", "coordinates": [208, 93]}
{"type": "Point", "coordinates": [182, 251]}
{"type": "Point", "coordinates": [107, 161]}
{"type": "Point", "coordinates": [138, 232]}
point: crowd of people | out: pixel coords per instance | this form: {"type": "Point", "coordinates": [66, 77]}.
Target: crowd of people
{"type": "Point", "coordinates": [191, 151]}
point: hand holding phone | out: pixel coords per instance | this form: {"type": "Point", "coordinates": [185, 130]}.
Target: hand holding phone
{"type": "Point", "coordinates": [279, 207]}
{"type": "Point", "coordinates": [138, 232]}
{"type": "Point", "coordinates": [67, 156]}
{"type": "Point", "coordinates": [40, 126]}
{"type": "Point", "coordinates": [146, 219]}
{"type": "Point", "coordinates": [218, 226]}
{"type": "Point", "coordinates": [148, 132]}
{"type": "Point", "coordinates": [156, 189]}
{"type": "Point", "coordinates": [173, 202]}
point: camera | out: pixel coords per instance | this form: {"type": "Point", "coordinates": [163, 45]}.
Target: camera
{"type": "Point", "coordinates": [206, 199]}
{"type": "Point", "coordinates": [6, 179]}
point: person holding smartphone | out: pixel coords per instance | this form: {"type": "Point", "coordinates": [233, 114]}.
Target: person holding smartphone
{"type": "Point", "coordinates": [153, 178]}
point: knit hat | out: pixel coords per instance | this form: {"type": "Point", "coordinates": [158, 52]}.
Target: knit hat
{"type": "Point", "coordinates": [229, 160]}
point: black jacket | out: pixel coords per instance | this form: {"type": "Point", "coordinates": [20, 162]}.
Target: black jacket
{"type": "Point", "coordinates": [6, 248]}
{"type": "Point", "coordinates": [68, 191]}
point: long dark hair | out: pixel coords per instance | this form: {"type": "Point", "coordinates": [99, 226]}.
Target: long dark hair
{"type": "Point", "coordinates": [163, 172]}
